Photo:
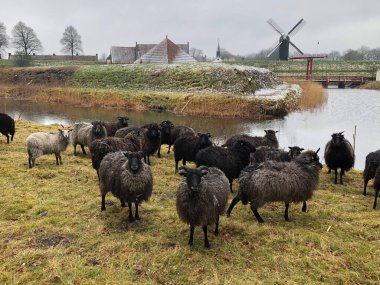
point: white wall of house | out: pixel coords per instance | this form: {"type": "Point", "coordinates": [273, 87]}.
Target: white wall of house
{"type": "Point", "coordinates": [378, 75]}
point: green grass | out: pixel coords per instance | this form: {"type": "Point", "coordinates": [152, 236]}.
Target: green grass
{"type": "Point", "coordinates": [53, 232]}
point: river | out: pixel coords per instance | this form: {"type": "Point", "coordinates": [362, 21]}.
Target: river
{"type": "Point", "coordinates": [311, 129]}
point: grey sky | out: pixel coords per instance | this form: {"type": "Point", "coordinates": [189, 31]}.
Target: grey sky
{"type": "Point", "coordinates": [240, 25]}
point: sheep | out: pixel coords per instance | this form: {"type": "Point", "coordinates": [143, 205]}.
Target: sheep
{"type": "Point", "coordinates": [264, 153]}
{"type": "Point", "coordinates": [85, 133]}
{"type": "Point", "coordinates": [372, 162]}
{"type": "Point", "coordinates": [376, 186]}
{"type": "Point", "coordinates": [169, 134]}
{"type": "Point", "coordinates": [231, 161]}
{"type": "Point", "coordinates": [127, 178]}
{"type": "Point", "coordinates": [201, 198]}
{"type": "Point", "coordinates": [101, 147]}
{"type": "Point", "coordinates": [339, 154]}
{"type": "Point", "coordinates": [111, 128]}
{"type": "Point", "coordinates": [7, 126]}
{"type": "Point", "coordinates": [151, 138]}
{"type": "Point", "coordinates": [187, 146]}
{"type": "Point", "coordinates": [273, 181]}
{"type": "Point", "coordinates": [269, 139]}
{"type": "Point", "coordinates": [40, 143]}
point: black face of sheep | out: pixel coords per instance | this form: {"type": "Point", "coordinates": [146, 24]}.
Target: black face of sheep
{"type": "Point", "coordinates": [337, 139]}
{"type": "Point", "coordinates": [134, 160]}
{"type": "Point", "coordinates": [166, 127]}
{"type": "Point", "coordinates": [270, 133]}
{"type": "Point", "coordinates": [204, 139]}
{"type": "Point", "coordinates": [295, 151]}
{"type": "Point", "coordinates": [97, 129]}
{"type": "Point", "coordinates": [153, 132]}
{"type": "Point", "coordinates": [123, 121]}
{"type": "Point", "coordinates": [193, 177]}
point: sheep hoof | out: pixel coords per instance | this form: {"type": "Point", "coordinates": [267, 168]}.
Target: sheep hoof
{"type": "Point", "coordinates": [190, 243]}
{"type": "Point", "coordinates": [207, 245]}
{"type": "Point", "coordinates": [131, 219]}
{"type": "Point", "coordinates": [137, 217]}
{"type": "Point", "coordinates": [216, 232]}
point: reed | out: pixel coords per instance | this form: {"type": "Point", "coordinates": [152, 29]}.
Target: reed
{"type": "Point", "coordinates": [313, 95]}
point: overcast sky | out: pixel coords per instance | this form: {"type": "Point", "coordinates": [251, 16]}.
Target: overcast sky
{"type": "Point", "coordinates": [240, 25]}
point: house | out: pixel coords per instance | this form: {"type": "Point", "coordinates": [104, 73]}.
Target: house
{"type": "Point", "coordinates": [164, 52]}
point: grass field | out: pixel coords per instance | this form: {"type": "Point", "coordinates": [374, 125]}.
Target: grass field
{"type": "Point", "coordinates": [53, 232]}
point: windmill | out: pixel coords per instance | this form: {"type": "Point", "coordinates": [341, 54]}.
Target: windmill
{"type": "Point", "coordinates": [284, 41]}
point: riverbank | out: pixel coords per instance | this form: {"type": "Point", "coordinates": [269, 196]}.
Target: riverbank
{"type": "Point", "coordinates": [199, 89]}
{"type": "Point", "coordinates": [54, 232]}
{"type": "Point", "coordinates": [373, 85]}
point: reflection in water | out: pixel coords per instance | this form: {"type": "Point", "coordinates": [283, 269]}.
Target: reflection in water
{"type": "Point", "coordinates": [308, 129]}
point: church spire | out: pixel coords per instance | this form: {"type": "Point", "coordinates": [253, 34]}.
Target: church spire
{"type": "Point", "coordinates": [218, 51]}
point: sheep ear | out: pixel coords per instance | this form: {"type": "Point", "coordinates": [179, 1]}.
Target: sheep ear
{"type": "Point", "coordinates": [301, 149]}
{"type": "Point", "coordinates": [172, 125]}
{"type": "Point", "coordinates": [276, 132]}
{"type": "Point", "coordinates": [209, 135]}
{"type": "Point", "coordinates": [317, 150]}
{"type": "Point", "coordinates": [266, 131]}
{"type": "Point", "coordinates": [184, 174]}
{"type": "Point", "coordinates": [127, 153]}
{"type": "Point", "coordinates": [290, 147]}
{"type": "Point", "coordinates": [199, 134]}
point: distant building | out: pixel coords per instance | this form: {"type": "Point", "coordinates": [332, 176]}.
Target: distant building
{"type": "Point", "coordinates": [218, 57]}
{"type": "Point", "coordinates": [164, 52]}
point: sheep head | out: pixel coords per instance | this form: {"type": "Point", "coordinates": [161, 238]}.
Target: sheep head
{"type": "Point", "coordinates": [193, 176]}
{"type": "Point", "coordinates": [97, 128]}
{"type": "Point", "coordinates": [294, 151]}
{"type": "Point", "coordinates": [204, 140]}
{"type": "Point", "coordinates": [123, 121]}
{"type": "Point", "coordinates": [166, 127]}
{"type": "Point", "coordinates": [65, 132]}
{"type": "Point", "coordinates": [337, 139]}
{"type": "Point", "coordinates": [134, 160]}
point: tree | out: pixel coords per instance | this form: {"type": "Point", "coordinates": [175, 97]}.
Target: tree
{"type": "Point", "coordinates": [352, 55]}
{"type": "Point", "coordinates": [334, 55]}
{"type": "Point", "coordinates": [71, 41]}
{"type": "Point", "coordinates": [3, 38]}
{"type": "Point", "coordinates": [24, 40]}
{"type": "Point", "coordinates": [196, 53]}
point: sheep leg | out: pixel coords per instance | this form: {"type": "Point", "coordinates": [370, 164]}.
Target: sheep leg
{"type": "Point", "coordinates": [375, 202]}
{"type": "Point", "coordinates": [148, 160]}
{"type": "Point", "coordinates": [82, 146]}
{"type": "Point", "coordinates": [33, 162]}
{"type": "Point", "coordinates": [191, 235]}
{"type": "Point", "coordinates": [12, 137]}
{"type": "Point", "coordinates": [341, 176]}
{"type": "Point", "coordinates": [216, 232]}
{"type": "Point", "coordinates": [75, 149]}
{"type": "Point", "coordinates": [7, 137]}
{"type": "Point", "coordinates": [130, 217]}
{"type": "Point", "coordinates": [207, 243]}
{"type": "Point", "coordinates": [137, 217]}
{"type": "Point", "coordinates": [336, 176]}
{"type": "Point", "coordinates": [60, 159]}
{"type": "Point", "coordinates": [286, 215]}
{"type": "Point", "coordinates": [231, 187]}
{"type": "Point", "coordinates": [304, 206]}
{"type": "Point", "coordinates": [103, 203]}
{"type": "Point", "coordinates": [159, 151]}
{"type": "Point", "coordinates": [56, 159]}
{"type": "Point", "coordinates": [257, 215]}
{"type": "Point", "coordinates": [233, 203]}
{"type": "Point", "coordinates": [365, 187]}
{"type": "Point", "coordinates": [169, 148]}
{"type": "Point", "coordinates": [183, 161]}
{"type": "Point", "coordinates": [122, 203]}
{"type": "Point", "coordinates": [176, 166]}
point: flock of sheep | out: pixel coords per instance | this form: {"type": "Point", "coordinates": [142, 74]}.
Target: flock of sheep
{"type": "Point", "coordinates": [265, 172]}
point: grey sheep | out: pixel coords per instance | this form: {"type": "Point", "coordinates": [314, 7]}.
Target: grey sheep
{"type": "Point", "coordinates": [7, 126]}
{"type": "Point", "coordinates": [40, 143]}
{"type": "Point", "coordinates": [339, 154]}
{"type": "Point", "coordinates": [231, 161]}
{"type": "Point", "coordinates": [376, 186]}
{"type": "Point", "coordinates": [269, 139]}
{"type": "Point", "coordinates": [127, 178]}
{"type": "Point", "coordinates": [201, 198]}
{"type": "Point", "coordinates": [111, 128]}
{"type": "Point", "coordinates": [101, 147]}
{"type": "Point", "coordinates": [151, 138]}
{"type": "Point", "coordinates": [273, 181]}
{"type": "Point", "coordinates": [187, 146]}
{"type": "Point", "coordinates": [85, 133]}
{"type": "Point", "coordinates": [170, 133]}
{"type": "Point", "coordinates": [372, 162]}
{"type": "Point", "coordinates": [264, 153]}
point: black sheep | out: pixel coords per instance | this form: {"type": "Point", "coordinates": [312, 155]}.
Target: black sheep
{"type": "Point", "coordinates": [339, 154]}
{"type": "Point", "coordinates": [187, 146]}
{"type": "Point", "coordinates": [230, 160]}
{"type": "Point", "coordinates": [169, 134]}
{"type": "Point", "coordinates": [376, 185]}
{"type": "Point", "coordinates": [265, 153]}
{"type": "Point", "coordinates": [372, 162]}
{"type": "Point", "coordinates": [7, 126]}
{"type": "Point", "coordinates": [269, 139]}
{"type": "Point", "coordinates": [111, 128]}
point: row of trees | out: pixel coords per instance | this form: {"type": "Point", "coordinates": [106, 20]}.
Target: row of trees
{"type": "Point", "coordinates": [25, 41]}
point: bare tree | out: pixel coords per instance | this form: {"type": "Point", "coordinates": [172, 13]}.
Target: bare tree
{"type": "Point", "coordinates": [25, 40]}
{"type": "Point", "coordinates": [3, 38]}
{"type": "Point", "coordinates": [196, 53]}
{"type": "Point", "coordinates": [71, 41]}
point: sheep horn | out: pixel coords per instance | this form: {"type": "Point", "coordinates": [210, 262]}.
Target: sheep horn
{"type": "Point", "coordinates": [318, 150]}
{"type": "Point", "coordinates": [202, 167]}
{"type": "Point", "coordinates": [185, 167]}
{"type": "Point", "coordinates": [62, 126]}
{"type": "Point", "coordinates": [341, 133]}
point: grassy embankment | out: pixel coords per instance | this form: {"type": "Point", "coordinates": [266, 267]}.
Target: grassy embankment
{"type": "Point", "coordinates": [374, 85]}
{"type": "Point", "coordinates": [202, 89]}
{"type": "Point", "coordinates": [53, 232]}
